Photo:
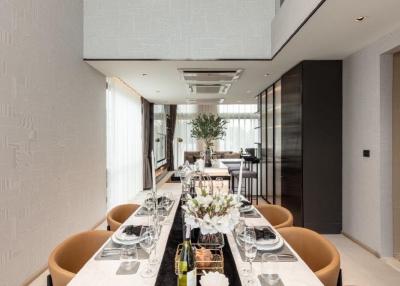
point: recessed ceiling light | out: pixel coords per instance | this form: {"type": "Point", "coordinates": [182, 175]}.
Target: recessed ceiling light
{"type": "Point", "coordinates": [267, 74]}
{"type": "Point", "coordinates": [248, 91]}
{"type": "Point", "coordinates": [360, 19]}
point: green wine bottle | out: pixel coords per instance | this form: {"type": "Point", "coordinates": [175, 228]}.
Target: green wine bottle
{"type": "Point", "coordinates": [187, 274]}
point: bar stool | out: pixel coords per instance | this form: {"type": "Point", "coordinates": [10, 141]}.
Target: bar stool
{"type": "Point", "coordinates": [232, 168]}
{"type": "Point", "coordinates": [248, 177]}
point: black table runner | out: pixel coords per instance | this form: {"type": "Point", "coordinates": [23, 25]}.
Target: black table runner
{"type": "Point", "coordinates": [166, 274]}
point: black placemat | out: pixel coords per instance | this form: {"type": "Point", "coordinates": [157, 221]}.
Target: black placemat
{"type": "Point", "coordinates": [166, 274]}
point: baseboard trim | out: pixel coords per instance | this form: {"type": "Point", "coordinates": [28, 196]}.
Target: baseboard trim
{"type": "Point", "coordinates": [35, 275]}
{"type": "Point", "coordinates": [366, 247]}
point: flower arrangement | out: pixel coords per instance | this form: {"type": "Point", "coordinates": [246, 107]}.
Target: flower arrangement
{"type": "Point", "coordinates": [212, 213]}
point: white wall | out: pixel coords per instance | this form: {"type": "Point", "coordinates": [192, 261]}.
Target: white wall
{"type": "Point", "coordinates": [178, 29]}
{"type": "Point", "coordinates": [52, 134]}
{"type": "Point", "coordinates": [367, 208]}
{"type": "Point", "coordinates": [288, 18]}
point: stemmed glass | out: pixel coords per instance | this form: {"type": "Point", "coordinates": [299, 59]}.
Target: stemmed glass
{"type": "Point", "coordinates": [149, 202]}
{"type": "Point", "coordinates": [219, 184]}
{"type": "Point", "coordinates": [166, 204]}
{"type": "Point", "coordinates": [250, 248]}
{"type": "Point", "coordinates": [270, 268]}
{"type": "Point", "coordinates": [155, 228]}
{"type": "Point", "coordinates": [147, 242]}
{"type": "Point", "coordinates": [129, 257]}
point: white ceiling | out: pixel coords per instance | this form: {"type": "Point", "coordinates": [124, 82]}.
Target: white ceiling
{"type": "Point", "coordinates": [332, 33]}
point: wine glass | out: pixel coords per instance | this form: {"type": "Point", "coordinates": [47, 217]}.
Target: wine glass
{"type": "Point", "coordinates": [250, 249]}
{"type": "Point", "coordinates": [155, 228]}
{"type": "Point", "coordinates": [270, 268]}
{"type": "Point", "coordinates": [166, 204]}
{"type": "Point", "coordinates": [219, 184]}
{"type": "Point", "coordinates": [129, 257]}
{"type": "Point", "coordinates": [149, 202]}
{"type": "Point", "coordinates": [147, 242]}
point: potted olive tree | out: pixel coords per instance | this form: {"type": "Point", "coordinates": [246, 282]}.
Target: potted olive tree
{"type": "Point", "coordinates": [207, 128]}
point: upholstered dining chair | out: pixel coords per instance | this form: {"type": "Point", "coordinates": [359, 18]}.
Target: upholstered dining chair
{"type": "Point", "coordinates": [70, 256]}
{"type": "Point", "coordinates": [316, 251]}
{"type": "Point", "coordinates": [119, 215]}
{"type": "Point", "coordinates": [278, 216]}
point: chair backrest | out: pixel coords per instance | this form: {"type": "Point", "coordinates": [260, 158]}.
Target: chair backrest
{"type": "Point", "coordinates": [70, 256]}
{"type": "Point", "coordinates": [278, 216]}
{"type": "Point", "coordinates": [316, 251]}
{"type": "Point", "coordinates": [120, 214]}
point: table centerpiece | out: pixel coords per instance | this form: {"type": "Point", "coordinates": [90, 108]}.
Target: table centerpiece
{"type": "Point", "coordinates": [214, 214]}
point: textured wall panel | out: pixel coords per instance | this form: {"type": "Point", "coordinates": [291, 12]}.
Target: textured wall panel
{"type": "Point", "coordinates": [178, 29]}
{"type": "Point", "coordinates": [367, 199]}
{"type": "Point", "coordinates": [52, 133]}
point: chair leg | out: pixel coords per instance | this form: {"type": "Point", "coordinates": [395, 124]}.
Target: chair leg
{"type": "Point", "coordinates": [49, 280]}
{"type": "Point", "coordinates": [251, 190]}
{"type": "Point", "coordinates": [257, 191]}
{"type": "Point", "coordinates": [108, 228]}
{"type": "Point", "coordinates": [340, 279]}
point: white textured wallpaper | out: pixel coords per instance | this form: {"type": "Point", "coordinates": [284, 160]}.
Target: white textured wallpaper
{"type": "Point", "coordinates": [52, 134]}
{"type": "Point", "coordinates": [178, 29]}
{"type": "Point", "coordinates": [367, 110]}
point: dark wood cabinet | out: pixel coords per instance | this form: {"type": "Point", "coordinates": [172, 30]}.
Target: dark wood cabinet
{"type": "Point", "coordinates": [311, 121]}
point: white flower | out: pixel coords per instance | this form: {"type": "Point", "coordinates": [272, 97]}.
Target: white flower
{"type": "Point", "coordinates": [205, 201]}
{"type": "Point", "coordinates": [222, 223]}
{"type": "Point", "coordinates": [207, 226]}
{"type": "Point", "coordinates": [192, 221]}
{"type": "Point", "coordinates": [201, 212]}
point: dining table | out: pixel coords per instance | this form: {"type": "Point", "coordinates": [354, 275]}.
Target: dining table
{"type": "Point", "coordinates": [104, 272]}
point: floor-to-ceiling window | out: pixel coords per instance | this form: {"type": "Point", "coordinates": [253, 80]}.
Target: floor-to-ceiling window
{"type": "Point", "coordinates": [242, 121]}
{"type": "Point", "coordinates": [124, 143]}
{"type": "Point", "coordinates": [183, 140]}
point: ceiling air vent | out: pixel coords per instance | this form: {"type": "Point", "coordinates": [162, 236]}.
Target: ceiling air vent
{"type": "Point", "coordinates": [209, 88]}
{"type": "Point", "coordinates": [209, 81]}
{"type": "Point", "coordinates": [196, 75]}
{"type": "Point", "coordinates": [206, 101]}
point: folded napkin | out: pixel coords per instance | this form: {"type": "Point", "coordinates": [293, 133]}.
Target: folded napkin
{"type": "Point", "coordinates": [245, 203]}
{"type": "Point", "coordinates": [159, 200]}
{"type": "Point", "coordinates": [132, 230]}
{"type": "Point", "coordinates": [264, 233]}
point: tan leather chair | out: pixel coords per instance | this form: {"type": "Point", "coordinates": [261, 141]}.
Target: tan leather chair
{"type": "Point", "coordinates": [119, 214]}
{"type": "Point", "coordinates": [278, 216]}
{"type": "Point", "coordinates": [316, 251]}
{"type": "Point", "coordinates": [70, 256]}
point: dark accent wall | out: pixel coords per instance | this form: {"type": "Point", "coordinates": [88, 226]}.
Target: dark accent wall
{"type": "Point", "coordinates": [310, 162]}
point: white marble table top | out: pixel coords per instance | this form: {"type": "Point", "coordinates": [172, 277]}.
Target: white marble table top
{"type": "Point", "coordinates": [103, 272]}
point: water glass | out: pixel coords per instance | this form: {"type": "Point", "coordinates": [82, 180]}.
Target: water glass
{"type": "Point", "coordinates": [250, 249]}
{"type": "Point", "coordinates": [147, 242]}
{"type": "Point", "coordinates": [129, 257]}
{"type": "Point", "coordinates": [270, 268]}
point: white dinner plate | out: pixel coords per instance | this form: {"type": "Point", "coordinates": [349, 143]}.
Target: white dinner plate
{"type": "Point", "coordinates": [266, 242]}
{"type": "Point", "coordinates": [269, 247]}
{"type": "Point", "coordinates": [246, 209]}
{"type": "Point", "coordinates": [121, 238]}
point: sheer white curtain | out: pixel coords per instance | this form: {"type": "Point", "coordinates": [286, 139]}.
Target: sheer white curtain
{"type": "Point", "coordinates": [240, 133]}
{"type": "Point", "coordinates": [185, 113]}
{"type": "Point", "coordinates": [124, 143]}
